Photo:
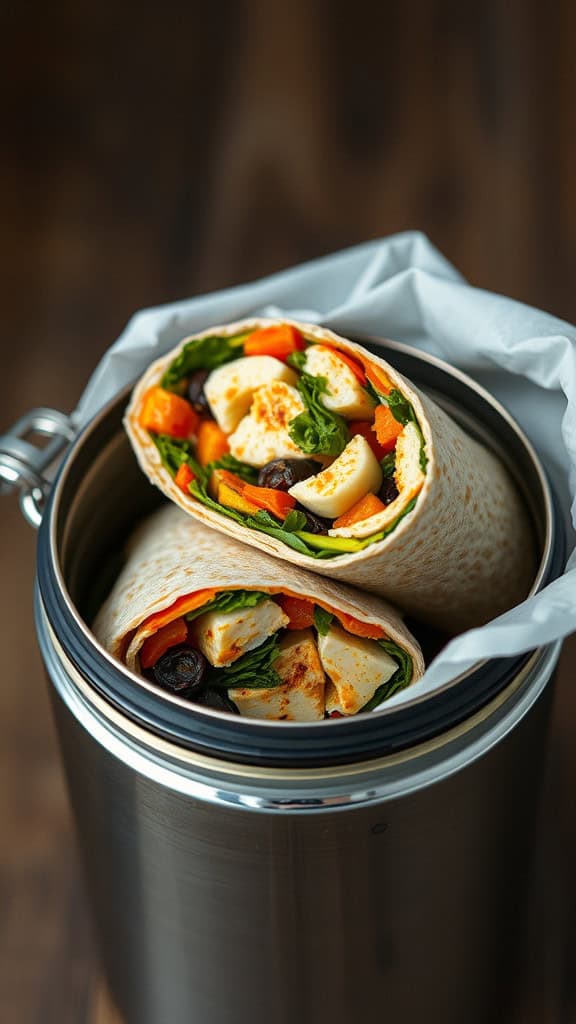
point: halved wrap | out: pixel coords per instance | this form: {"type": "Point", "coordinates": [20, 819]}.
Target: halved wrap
{"type": "Point", "coordinates": [307, 446]}
{"type": "Point", "coordinates": [223, 625]}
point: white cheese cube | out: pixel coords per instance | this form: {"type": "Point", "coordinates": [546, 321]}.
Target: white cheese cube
{"type": "Point", "coordinates": [347, 396]}
{"type": "Point", "coordinates": [263, 434]}
{"type": "Point", "coordinates": [352, 475]}
{"type": "Point", "coordinates": [224, 636]}
{"type": "Point", "coordinates": [229, 388]}
{"type": "Point", "coordinates": [300, 698]}
{"type": "Point", "coordinates": [356, 668]}
{"type": "Point", "coordinates": [409, 480]}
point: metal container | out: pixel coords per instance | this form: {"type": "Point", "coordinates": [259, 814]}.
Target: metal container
{"type": "Point", "coordinates": [246, 872]}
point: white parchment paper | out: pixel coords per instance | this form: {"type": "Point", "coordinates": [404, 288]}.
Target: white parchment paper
{"type": "Point", "coordinates": [402, 288]}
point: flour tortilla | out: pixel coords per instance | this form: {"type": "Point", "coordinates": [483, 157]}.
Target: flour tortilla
{"type": "Point", "coordinates": [172, 555]}
{"type": "Point", "coordinates": [464, 555]}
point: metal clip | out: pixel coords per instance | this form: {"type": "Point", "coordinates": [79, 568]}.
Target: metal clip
{"type": "Point", "coordinates": [23, 464]}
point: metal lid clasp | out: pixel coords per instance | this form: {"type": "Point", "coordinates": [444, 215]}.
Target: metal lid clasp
{"type": "Point", "coordinates": [23, 464]}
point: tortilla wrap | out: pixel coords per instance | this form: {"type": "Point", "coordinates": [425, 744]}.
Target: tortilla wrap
{"type": "Point", "coordinates": [463, 554]}
{"type": "Point", "coordinates": [172, 556]}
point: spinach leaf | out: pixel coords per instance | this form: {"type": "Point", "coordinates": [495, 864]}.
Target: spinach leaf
{"type": "Point", "coordinates": [400, 679]}
{"type": "Point", "coordinates": [173, 451]}
{"type": "Point", "coordinates": [294, 521]}
{"type": "Point", "coordinates": [388, 465]}
{"type": "Point", "coordinates": [322, 619]}
{"type": "Point", "coordinates": [202, 354]}
{"type": "Point", "coordinates": [400, 408]}
{"type": "Point", "coordinates": [233, 465]}
{"type": "Point", "coordinates": [229, 601]}
{"type": "Point", "coordinates": [297, 360]}
{"type": "Point", "coordinates": [253, 670]}
{"type": "Point", "coordinates": [318, 431]}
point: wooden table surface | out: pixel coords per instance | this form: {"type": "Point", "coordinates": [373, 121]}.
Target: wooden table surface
{"type": "Point", "coordinates": [145, 157]}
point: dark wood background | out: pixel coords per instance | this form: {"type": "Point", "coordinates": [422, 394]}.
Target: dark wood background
{"type": "Point", "coordinates": [150, 152]}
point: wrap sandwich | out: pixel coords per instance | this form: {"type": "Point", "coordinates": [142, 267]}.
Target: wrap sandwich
{"type": "Point", "coordinates": [223, 625]}
{"type": "Point", "coordinates": [307, 446]}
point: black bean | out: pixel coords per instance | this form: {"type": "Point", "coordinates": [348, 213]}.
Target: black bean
{"type": "Point", "coordinates": [196, 394]}
{"type": "Point", "coordinates": [218, 700]}
{"type": "Point", "coordinates": [180, 670]}
{"type": "Point", "coordinates": [389, 491]}
{"type": "Point", "coordinates": [315, 524]}
{"type": "Point", "coordinates": [281, 474]}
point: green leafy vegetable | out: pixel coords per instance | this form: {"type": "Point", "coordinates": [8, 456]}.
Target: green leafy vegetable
{"type": "Point", "coordinates": [229, 601]}
{"type": "Point", "coordinates": [297, 360]}
{"type": "Point", "coordinates": [254, 670]}
{"type": "Point", "coordinates": [202, 354]}
{"type": "Point", "coordinates": [322, 619]}
{"type": "Point", "coordinates": [403, 412]}
{"type": "Point", "coordinates": [388, 465]}
{"type": "Point", "coordinates": [173, 452]}
{"type": "Point", "coordinates": [318, 431]}
{"type": "Point", "coordinates": [233, 465]}
{"type": "Point", "coordinates": [294, 521]}
{"type": "Point", "coordinates": [401, 678]}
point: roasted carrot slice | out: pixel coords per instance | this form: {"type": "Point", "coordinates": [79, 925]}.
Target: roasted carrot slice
{"type": "Point", "coordinates": [166, 413]}
{"type": "Point", "coordinates": [184, 478]}
{"type": "Point", "coordinates": [379, 378]}
{"type": "Point", "coordinates": [371, 631]}
{"type": "Point", "coordinates": [365, 429]}
{"type": "Point", "coordinates": [277, 502]}
{"type": "Point", "coordinates": [299, 610]}
{"type": "Point", "coordinates": [155, 646]}
{"type": "Point", "coordinates": [188, 603]}
{"type": "Point", "coordinates": [386, 428]}
{"type": "Point", "coordinates": [368, 506]}
{"type": "Point", "coordinates": [211, 442]}
{"type": "Point", "coordinates": [278, 341]}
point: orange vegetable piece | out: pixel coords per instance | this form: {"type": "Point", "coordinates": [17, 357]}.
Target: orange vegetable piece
{"type": "Point", "coordinates": [352, 364]}
{"type": "Point", "coordinates": [368, 506]}
{"type": "Point", "coordinates": [180, 607]}
{"type": "Point", "coordinates": [370, 630]}
{"type": "Point", "coordinates": [184, 477]}
{"type": "Point", "coordinates": [387, 428]}
{"type": "Point", "coordinates": [168, 636]}
{"type": "Point", "coordinates": [166, 413]}
{"type": "Point", "coordinates": [278, 341]}
{"type": "Point", "coordinates": [365, 429]}
{"type": "Point", "coordinates": [236, 483]}
{"type": "Point", "coordinates": [279, 503]}
{"type": "Point", "coordinates": [379, 378]}
{"type": "Point", "coordinates": [299, 610]}
{"type": "Point", "coordinates": [211, 442]}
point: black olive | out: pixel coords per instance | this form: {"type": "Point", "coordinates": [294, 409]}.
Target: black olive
{"type": "Point", "coordinates": [281, 474]}
{"type": "Point", "coordinates": [388, 491]}
{"type": "Point", "coordinates": [315, 524]}
{"type": "Point", "coordinates": [196, 395]}
{"type": "Point", "coordinates": [180, 670]}
{"type": "Point", "coordinates": [216, 699]}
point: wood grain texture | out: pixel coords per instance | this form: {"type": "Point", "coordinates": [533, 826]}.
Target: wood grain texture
{"type": "Point", "coordinates": [148, 153]}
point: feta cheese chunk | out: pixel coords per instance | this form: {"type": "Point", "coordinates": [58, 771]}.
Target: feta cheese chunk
{"type": "Point", "coordinates": [300, 698]}
{"type": "Point", "coordinates": [263, 434]}
{"type": "Point", "coordinates": [224, 636]}
{"type": "Point", "coordinates": [347, 396]}
{"type": "Point", "coordinates": [230, 388]}
{"type": "Point", "coordinates": [409, 480]}
{"type": "Point", "coordinates": [356, 668]}
{"type": "Point", "coordinates": [352, 475]}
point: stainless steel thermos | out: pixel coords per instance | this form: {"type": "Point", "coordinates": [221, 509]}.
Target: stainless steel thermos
{"type": "Point", "coordinates": [245, 872]}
